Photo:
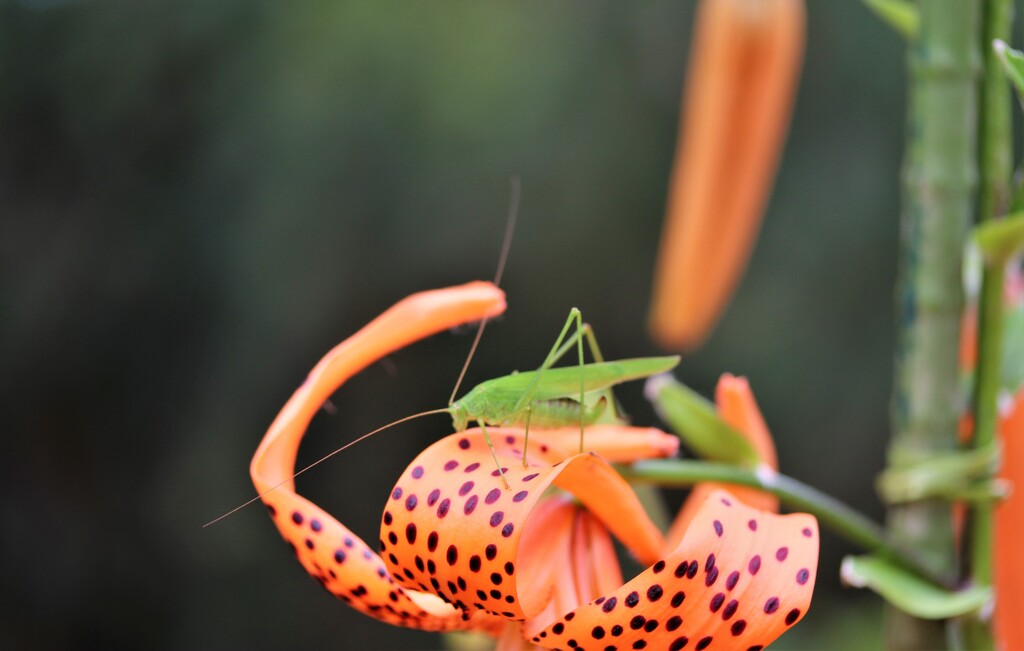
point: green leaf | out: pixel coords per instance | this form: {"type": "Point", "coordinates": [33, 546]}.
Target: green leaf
{"type": "Point", "coordinates": [948, 476]}
{"type": "Point", "coordinates": [1013, 65]}
{"type": "Point", "coordinates": [697, 423]}
{"type": "Point", "coordinates": [901, 15]}
{"type": "Point", "coordinates": [1000, 239]}
{"type": "Point", "coordinates": [909, 592]}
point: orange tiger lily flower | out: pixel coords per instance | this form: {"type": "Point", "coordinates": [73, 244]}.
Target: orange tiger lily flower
{"type": "Point", "coordinates": [738, 408]}
{"type": "Point", "coordinates": [742, 78]}
{"type": "Point", "coordinates": [739, 575]}
{"type": "Point", "coordinates": [1009, 531]}
{"type": "Point", "coordinates": [532, 565]}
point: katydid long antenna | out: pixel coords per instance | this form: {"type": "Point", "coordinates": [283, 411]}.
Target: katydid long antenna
{"type": "Point", "coordinates": [513, 211]}
{"type": "Point", "coordinates": [506, 245]}
{"type": "Point", "coordinates": [325, 458]}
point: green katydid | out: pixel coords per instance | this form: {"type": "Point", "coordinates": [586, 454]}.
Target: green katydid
{"type": "Point", "coordinates": [552, 397]}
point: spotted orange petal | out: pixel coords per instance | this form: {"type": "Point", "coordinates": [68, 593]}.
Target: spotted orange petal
{"type": "Point", "coordinates": [452, 528]}
{"type": "Point", "coordinates": [739, 579]}
{"type": "Point", "coordinates": [737, 407]}
{"type": "Point", "coordinates": [328, 550]}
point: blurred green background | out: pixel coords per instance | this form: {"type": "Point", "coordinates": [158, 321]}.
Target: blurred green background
{"type": "Point", "coordinates": [198, 199]}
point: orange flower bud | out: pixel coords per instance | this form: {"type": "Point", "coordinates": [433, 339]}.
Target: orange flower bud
{"type": "Point", "coordinates": [742, 77]}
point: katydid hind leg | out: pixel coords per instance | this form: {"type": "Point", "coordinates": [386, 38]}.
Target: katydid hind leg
{"type": "Point", "coordinates": [549, 361]}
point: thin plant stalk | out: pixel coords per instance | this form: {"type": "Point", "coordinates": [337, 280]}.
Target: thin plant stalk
{"type": "Point", "coordinates": [846, 522]}
{"type": "Point", "coordinates": [995, 163]}
{"type": "Point", "coordinates": [940, 179]}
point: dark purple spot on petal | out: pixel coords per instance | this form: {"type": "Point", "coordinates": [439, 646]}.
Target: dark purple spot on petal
{"type": "Point", "coordinates": [609, 605]}
{"type": "Point", "coordinates": [464, 444]}
{"type": "Point", "coordinates": [496, 518]}
{"type": "Point", "coordinates": [297, 517]}
{"type": "Point", "coordinates": [492, 496]}
{"type": "Point", "coordinates": [782, 553]}
{"type": "Point", "coordinates": [677, 599]}
{"type": "Point", "coordinates": [654, 592]}
{"type": "Point", "coordinates": [718, 528]}
{"type": "Point", "coordinates": [771, 605]}
{"type": "Point", "coordinates": [738, 626]}
{"type": "Point", "coordinates": [442, 508]}
{"type": "Point", "coordinates": [520, 496]}
{"type": "Point", "coordinates": [802, 576]}
{"type": "Point", "coordinates": [470, 504]}
{"type": "Point", "coordinates": [451, 465]}
{"type": "Point", "coordinates": [432, 541]}
{"type": "Point", "coordinates": [703, 643]}
{"type": "Point", "coordinates": [792, 616]}
{"type": "Point", "coordinates": [730, 609]}
{"type": "Point", "coordinates": [752, 525]}
{"type": "Point", "coordinates": [432, 498]}
{"type": "Point", "coordinates": [411, 502]}
{"type": "Point", "coordinates": [529, 477]}
{"type": "Point", "coordinates": [491, 552]}
{"type": "Point", "coordinates": [732, 579]}
{"type": "Point", "coordinates": [506, 531]}
{"type": "Point", "coordinates": [465, 488]}
{"type": "Point", "coordinates": [397, 493]}
{"type": "Point", "coordinates": [679, 643]}
{"type": "Point", "coordinates": [717, 601]}
{"type": "Point", "coordinates": [452, 555]}
{"type": "Point", "coordinates": [755, 564]}
{"type": "Point", "coordinates": [417, 472]}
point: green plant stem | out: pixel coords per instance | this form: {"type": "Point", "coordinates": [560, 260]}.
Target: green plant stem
{"type": "Point", "coordinates": [995, 162]}
{"type": "Point", "coordinates": [845, 521]}
{"type": "Point", "coordinates": [939, 182]}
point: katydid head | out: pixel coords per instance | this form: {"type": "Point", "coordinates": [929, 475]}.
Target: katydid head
{"type": "Point", "coordinates": [460, 416]}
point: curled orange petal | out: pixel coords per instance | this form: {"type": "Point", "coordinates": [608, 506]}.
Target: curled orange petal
{"type": "Point", "coordinates": [742, 77]}
{"type": "Point", "coordinates": [739, 579]}
{"type": "Point", "coordinates": [328, 550]}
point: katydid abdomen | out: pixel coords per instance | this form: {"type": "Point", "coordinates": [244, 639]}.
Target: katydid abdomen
{"type": "Point", "coordinates": [549, 397]}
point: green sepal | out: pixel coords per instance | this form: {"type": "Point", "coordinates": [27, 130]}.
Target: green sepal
{"type": "Point", "coordinates": [1013, 65]}
{"type": "Point", "coordinates": [901, 15]}
{"type": "Point", "coordinates": [695, 420]}
{"type": "Point", "coordinates": [958, 475]}
{"type": "Point", "coordinates": [1000, 239]}
{"type": "Point", "coordinates": [909, 592]}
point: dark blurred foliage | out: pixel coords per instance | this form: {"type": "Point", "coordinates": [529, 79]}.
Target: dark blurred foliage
{"type": "Point", "coordinates": [198, 199]}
